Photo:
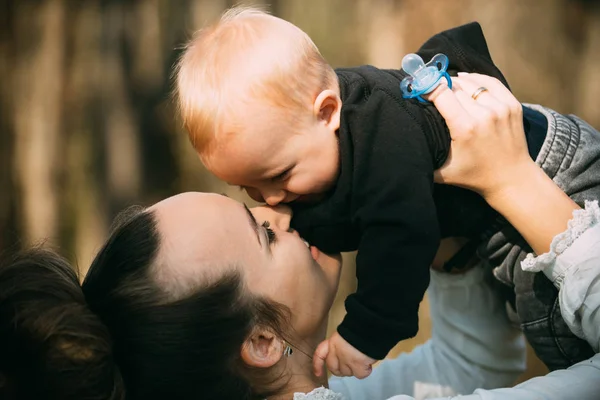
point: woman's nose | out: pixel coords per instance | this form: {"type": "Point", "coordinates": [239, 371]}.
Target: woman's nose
{"type": "Point", "coordinates": [284, 217]}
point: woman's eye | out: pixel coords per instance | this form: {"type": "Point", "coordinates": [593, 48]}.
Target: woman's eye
{"type": "Point", "coordinates": [270, 232]}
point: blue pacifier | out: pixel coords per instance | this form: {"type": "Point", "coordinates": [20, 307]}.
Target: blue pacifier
{"type": "Point", "coordinates": [423, 78]}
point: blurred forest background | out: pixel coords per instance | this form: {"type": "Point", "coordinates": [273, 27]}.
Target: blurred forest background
{"type": "Point", "coordinates": [87, 127]}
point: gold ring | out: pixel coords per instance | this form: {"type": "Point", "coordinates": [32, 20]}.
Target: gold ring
{"type": "Point", "coordinates": [478, 92]}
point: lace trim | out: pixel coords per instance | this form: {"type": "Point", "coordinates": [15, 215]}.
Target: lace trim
{"type": "Point", "coordinates": [582, 220]}
{"type": "Point", "coordinates": [319, 394]}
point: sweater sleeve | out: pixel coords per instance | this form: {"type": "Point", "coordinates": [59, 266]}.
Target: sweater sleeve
{"type": "Point", "coordinates": [394, 209]}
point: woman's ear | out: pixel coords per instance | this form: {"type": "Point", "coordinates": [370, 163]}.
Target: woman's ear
{"type": "Point", "coordinates": [262, 349]}
{"type": "Point", "coordinates": [327, 108]}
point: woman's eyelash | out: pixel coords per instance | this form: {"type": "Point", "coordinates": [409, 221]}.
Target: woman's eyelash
{"type": "Point", "coordinates": [270, 232]}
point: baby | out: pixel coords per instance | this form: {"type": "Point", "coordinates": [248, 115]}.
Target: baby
{"type": "Point", "coordinates": [354, 160]}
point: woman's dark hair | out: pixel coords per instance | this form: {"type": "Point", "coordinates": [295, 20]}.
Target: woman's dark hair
{"type": "Point", "coordinates": [51, 344]}
{"type": "Point", "coordinates": [168, 347]}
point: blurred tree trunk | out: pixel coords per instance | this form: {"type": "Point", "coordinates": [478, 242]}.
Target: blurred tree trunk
{"type": "Point", "coordinates": [122, 138]}
{"type": "Point", "coordinates": [84, 209]}
{"type": "Point", "coordinates": [37, 100]}
{"type": "Point", "coordinates": [8, 229]}
{"type": "Point", "coordinates": [384, 44]}
{"type": "Point", "coordinates": [587, 87]}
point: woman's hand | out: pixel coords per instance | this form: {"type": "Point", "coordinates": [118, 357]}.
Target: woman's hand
{"type": "Point", "coordinates": [489, 155]}
{"type": "Point", "coordinates": [489, 150]}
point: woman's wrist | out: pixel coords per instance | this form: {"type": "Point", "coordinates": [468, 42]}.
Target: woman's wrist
{"type": "Point", "coordinates": [524, 179]}
{"type": "Point", "coordinates": [534, 205]}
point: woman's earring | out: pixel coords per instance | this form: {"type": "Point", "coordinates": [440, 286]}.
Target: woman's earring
{"type": "Point", "coordinates": [287, 351]}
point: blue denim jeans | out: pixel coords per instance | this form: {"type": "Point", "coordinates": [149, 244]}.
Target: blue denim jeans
{"type": "Point", "coordinates": [570, 155]}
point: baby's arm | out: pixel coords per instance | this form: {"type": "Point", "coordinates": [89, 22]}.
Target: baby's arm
{"type": "Point", "coordinates": [395, 211]}
{"type": "Point", "coordinates": [341, 358]}
{"type": "Point", "coordinates": [469, 321]}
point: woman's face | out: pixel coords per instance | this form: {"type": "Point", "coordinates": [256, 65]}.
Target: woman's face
{"type": "Point", "coordinates": [205, 235]}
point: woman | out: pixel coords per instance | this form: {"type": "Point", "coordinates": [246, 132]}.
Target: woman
{"type": "Point", "coordinates": [205, 299]}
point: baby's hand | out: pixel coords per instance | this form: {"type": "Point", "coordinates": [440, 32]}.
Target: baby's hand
{"type": "Point", "coordinates": [342, 358]}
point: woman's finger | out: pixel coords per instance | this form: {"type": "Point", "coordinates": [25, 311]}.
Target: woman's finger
{"type": "Point", "coordinates": [496, 87]}
{"type": "Point", "coordinates": [444, 99]}
{"type": "Point", "coordinates": [483, 105]}
{"type": "Point", "coordinates": [478, 93]}
{"type": "Point", "coordinates": [448, 105]}
{"type": "Point", "coordinates": [474, 110]}
{"type": "Point", "coordinates": [513, 111]}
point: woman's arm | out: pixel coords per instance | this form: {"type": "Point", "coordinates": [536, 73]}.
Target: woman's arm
{"type": "Point", "coordinates": [512, 183]}
{"type": "Point", "coordinates": [575, 270]}
{"type": "Point", "coordinates": [462, 355]}
{"type": "Point", "coordinates": [581, 382]}
{"type": "Point", "coordinates": [489, 156]}
{"type": "Point", "coordinates": [535, 206]}
{"type": "Point", "coordinates": [573, 264]}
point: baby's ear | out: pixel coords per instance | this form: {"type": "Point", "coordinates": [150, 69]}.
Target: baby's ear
{"type": "Point", "coordinates": [262, 349]}
{"type": "Point", "coordinates": [327, 108]}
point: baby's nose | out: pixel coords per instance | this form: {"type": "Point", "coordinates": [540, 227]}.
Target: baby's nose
{"type": "Point", "coordinates": [273, 198]}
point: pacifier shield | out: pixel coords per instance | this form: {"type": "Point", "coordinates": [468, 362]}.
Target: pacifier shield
{"type": "Point", "coordinates": [423, 78]}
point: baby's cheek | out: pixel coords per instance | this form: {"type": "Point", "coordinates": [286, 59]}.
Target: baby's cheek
{"type": "Point", "coordinates": [311, 184]}
{"type": "Point", "coordinates": [324, 181]}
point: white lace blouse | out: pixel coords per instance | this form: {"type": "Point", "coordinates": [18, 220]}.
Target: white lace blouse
{"type": "Point", "coordinates": [319, 394]}
{"type": "Point", "coordinates": [474, 346]}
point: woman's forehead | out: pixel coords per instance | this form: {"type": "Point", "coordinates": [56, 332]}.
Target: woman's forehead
{"type": "Point", "coordinates": [196, 214]}
{"type": "Point", "coordinates": [198, 230]}
{"type": "Point", "coordinates": [188, 200]}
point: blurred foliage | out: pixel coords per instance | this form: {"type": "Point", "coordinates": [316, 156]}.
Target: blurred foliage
{"type": "Point", "coordinates": [87, 126]}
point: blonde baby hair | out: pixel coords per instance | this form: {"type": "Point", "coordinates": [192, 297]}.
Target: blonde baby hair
{"type": "Point", "coordinates": [291, 75]}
